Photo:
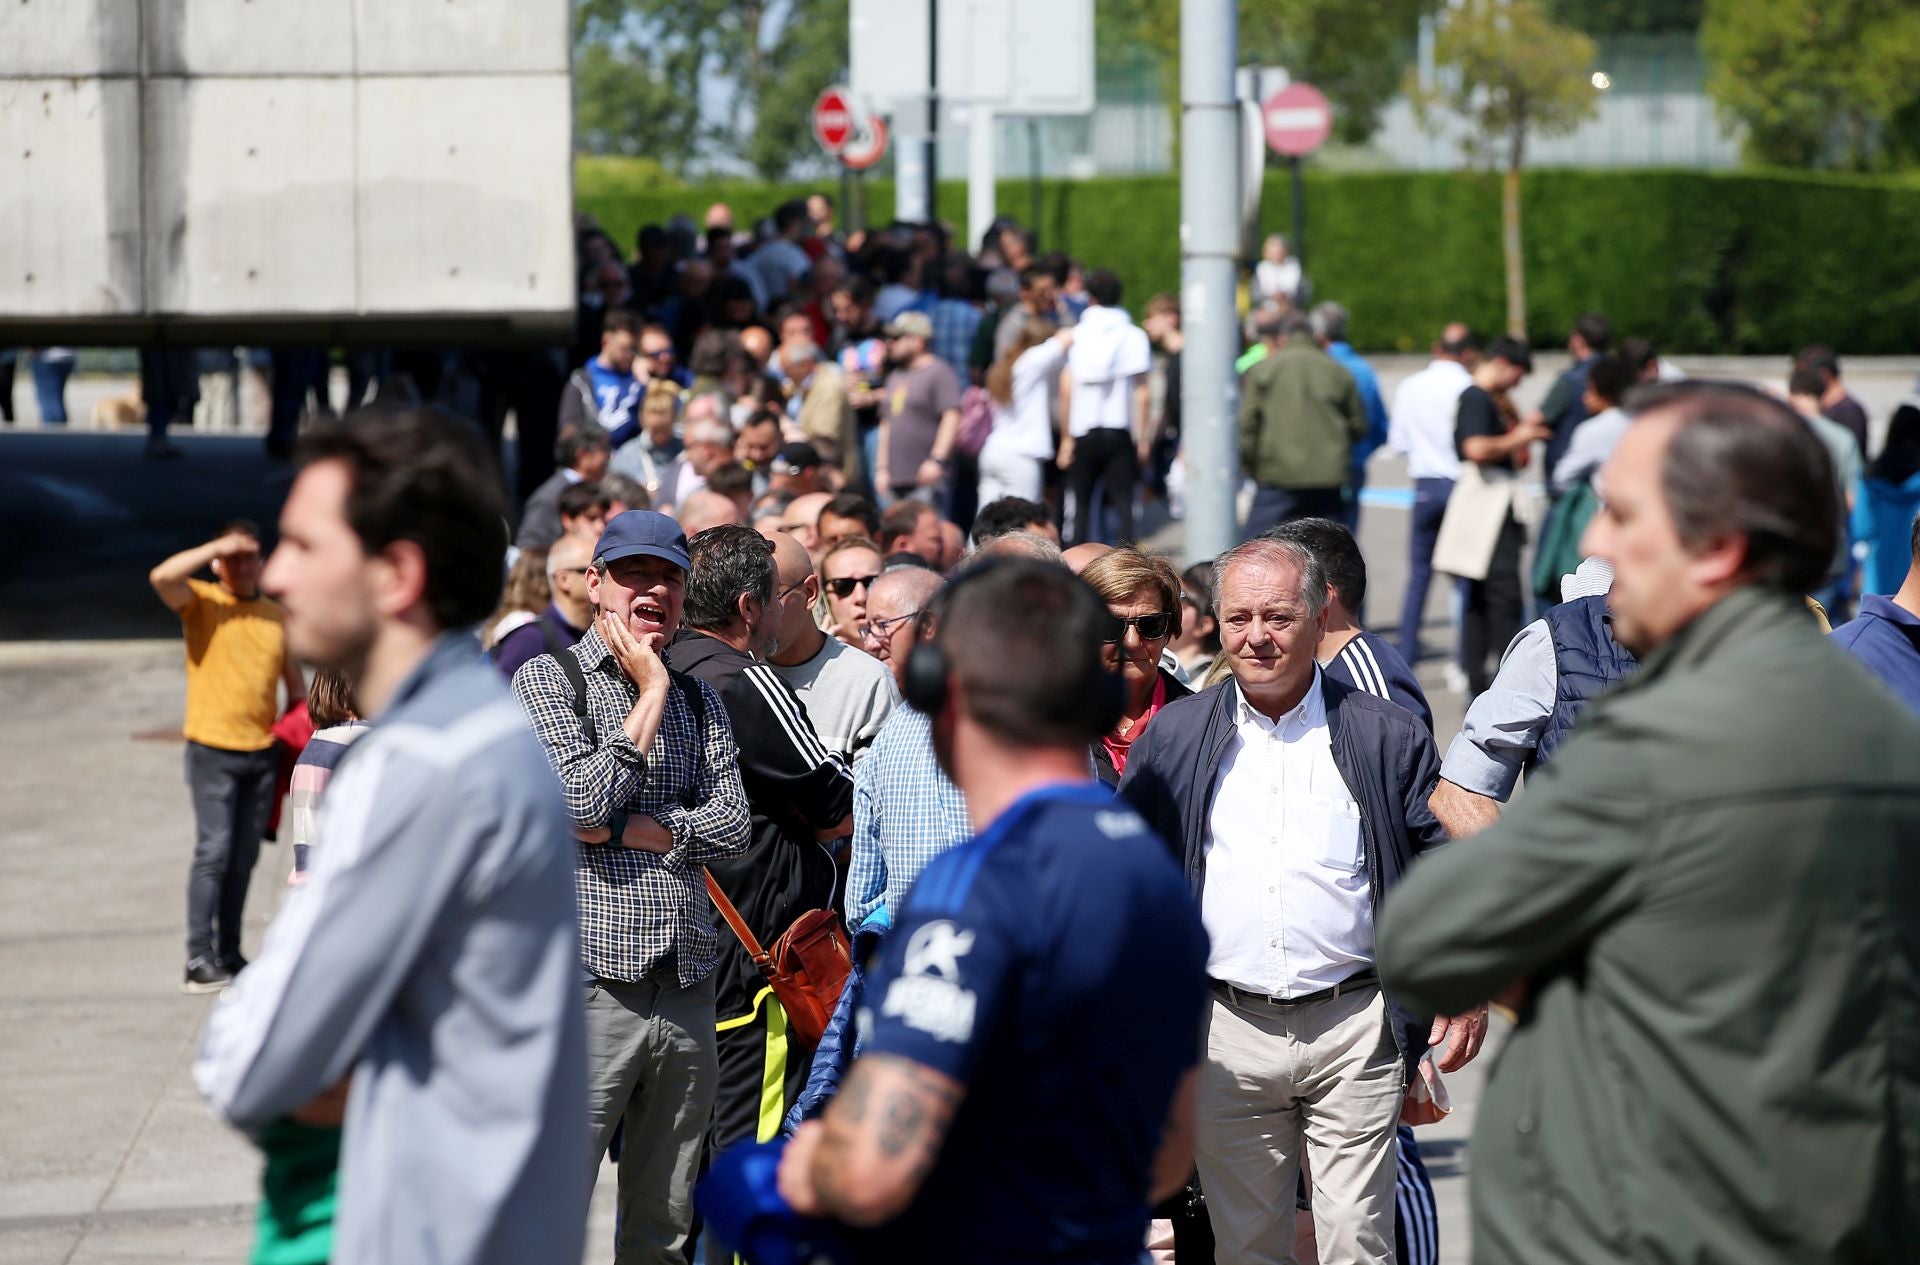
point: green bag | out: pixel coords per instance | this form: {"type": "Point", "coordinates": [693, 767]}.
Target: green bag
{"type": "Point", "coordinates": [1558, 552]}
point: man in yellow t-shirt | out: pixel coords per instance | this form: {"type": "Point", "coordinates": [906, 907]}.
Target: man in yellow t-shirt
{"type": "Point", "coordinates": [236, 662]}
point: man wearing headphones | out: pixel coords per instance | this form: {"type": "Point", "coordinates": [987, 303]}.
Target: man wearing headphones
{"type": "Point", "coordinates": [1013, 984]}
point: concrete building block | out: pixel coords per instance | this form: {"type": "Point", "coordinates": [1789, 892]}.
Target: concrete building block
{"type": "Point", "coordinates": [465, 199]}
{"type": "Point", "coordinates": [47, 38]}
{"type": "Point", "coordinates": [466, 37]}
{"type": "Point", "coordinates": [70, 197]}
{"type": "Point", "coordinates": [247, 37]}
{"type": "Point", "coordinates": [249, 196]}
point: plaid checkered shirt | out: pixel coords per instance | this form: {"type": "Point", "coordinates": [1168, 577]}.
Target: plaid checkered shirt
{"type": "Point", "coordinates": [640, 909]}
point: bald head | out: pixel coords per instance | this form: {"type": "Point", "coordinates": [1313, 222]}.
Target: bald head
{"type": "Point", "coordinates": [704, 509]}
{"type": "Point", "coordinates": [1080, 556]}
{"type": "Point", "coordinates": [790, 558]}
{"type": "Point", "coordinates": [806, 508]}
{"type": "Point", "coordinates": [901, 590]}
{"type": "Point", "coordinates": [569, 551]}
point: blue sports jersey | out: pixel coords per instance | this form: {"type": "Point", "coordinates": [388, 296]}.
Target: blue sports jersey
{"type": "Point", "coordinates": [1056, 966]}
{"type": "Point", "coordinates": [618, 395]}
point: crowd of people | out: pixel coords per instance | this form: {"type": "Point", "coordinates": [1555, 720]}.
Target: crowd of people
{"type": "Point", "coordinates": [821, 803]}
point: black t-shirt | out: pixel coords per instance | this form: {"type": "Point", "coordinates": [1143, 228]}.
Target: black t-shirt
{"type": "Point", "coordinates": [1850, 414]}
{"type": "Point", "coordinates": [1479, 415]}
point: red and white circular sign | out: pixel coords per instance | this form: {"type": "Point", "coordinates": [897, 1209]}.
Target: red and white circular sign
{"type": "Point", "coordinates": [1297, 120]}
{"type": "Point", "coordinates": [833, 119]}
{"type": "Point", "coordinates": [868, 143]}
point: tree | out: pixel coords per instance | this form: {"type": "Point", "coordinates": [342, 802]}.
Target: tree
{"type": "Point", "coordinates": [1507, 71]}
{"type": "Point", "coordinates": [1818, 83]}
{"type": "Point", "coordinates": [706, 83]}
{"type": "Point", "coordinates": [1352, 50]}
{"type": "Point", "coordinates": [1627, 17]}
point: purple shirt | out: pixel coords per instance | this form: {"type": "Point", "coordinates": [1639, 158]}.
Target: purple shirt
{"type": "Point", "coordinates": [549, 632]}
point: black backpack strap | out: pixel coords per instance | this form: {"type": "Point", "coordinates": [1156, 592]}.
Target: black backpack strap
{"type": "Point", "coordinates": [577, 681]}
{"type": "Point", "coordinates": [697, 704]}
{"type": "Point", "coordinates": [550, 635]}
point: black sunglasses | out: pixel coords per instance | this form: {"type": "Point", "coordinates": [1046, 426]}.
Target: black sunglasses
{"type": "Point", "coordinates": [846, 584]}
{"type": "Point", "coordinates": [1151, 627]}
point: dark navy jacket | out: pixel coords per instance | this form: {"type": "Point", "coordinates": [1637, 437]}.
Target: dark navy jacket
{"type": "Point", "coordinates": [1385, 756]}
{"type": "Point", "coordinates": [1587, 662]}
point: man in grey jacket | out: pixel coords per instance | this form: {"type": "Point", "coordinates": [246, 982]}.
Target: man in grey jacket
{"type": "Point", "coordinates": [427, 972]}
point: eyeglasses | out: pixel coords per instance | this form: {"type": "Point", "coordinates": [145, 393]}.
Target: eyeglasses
{"type": "Point", "coordinates": [882, 630]}
{"type": "Point", "coordinates": [663, 353]}
{"type": "Point", "coordinates": [1150, 627]}
{"type": "Point", "coordinates": [796, 584]}
{"type": "Point", "coordinates": [571, 570]}
{"type": "Point", "coordinates": [846, 584]}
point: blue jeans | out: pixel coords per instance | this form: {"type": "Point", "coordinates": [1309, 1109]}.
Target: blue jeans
{"type": "Point", "coordinates": [1429, 508]}
{"type": "Point", "coordinates": [50, 386]}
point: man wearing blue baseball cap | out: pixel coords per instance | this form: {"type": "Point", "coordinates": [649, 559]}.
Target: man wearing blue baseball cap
{"type": "Point", "coordinates": [652, 779]}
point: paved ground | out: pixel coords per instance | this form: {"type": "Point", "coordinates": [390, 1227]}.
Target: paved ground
{"type": "Point", "coordinates": [105, 1151]}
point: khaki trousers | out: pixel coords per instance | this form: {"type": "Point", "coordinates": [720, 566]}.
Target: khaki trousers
{"type": "Point", "coordinates": [651, 1064]}
{"type": "Point", "coordinates": [1326, 1077]}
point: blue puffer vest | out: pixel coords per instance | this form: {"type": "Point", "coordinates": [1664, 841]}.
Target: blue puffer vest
{"type": "Point", "coordinates": [1587, 662]}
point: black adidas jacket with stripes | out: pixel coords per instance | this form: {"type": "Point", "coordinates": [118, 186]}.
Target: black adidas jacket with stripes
{"type": "Point", "coordinates": [795, 788]}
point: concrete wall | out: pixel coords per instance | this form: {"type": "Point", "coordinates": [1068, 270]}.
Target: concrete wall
{"type": "Point", "coordinates": [285, 169]}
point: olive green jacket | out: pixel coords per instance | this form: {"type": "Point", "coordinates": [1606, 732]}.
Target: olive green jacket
{"type": "Point", "coordinates": [1300, 416]}
{"type": "Point", "coordinates": [1714, 891]}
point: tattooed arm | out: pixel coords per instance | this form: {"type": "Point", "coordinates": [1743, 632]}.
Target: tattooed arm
{"type": "Point", "coordinates": [864, 1161]}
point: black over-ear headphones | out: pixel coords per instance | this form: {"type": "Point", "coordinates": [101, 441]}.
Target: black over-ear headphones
{"type": "Point", "coordinates": [928, 673]}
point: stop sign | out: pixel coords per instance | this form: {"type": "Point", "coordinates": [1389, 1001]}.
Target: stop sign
{"type": "Point", "coordinates": [833, 120]}
{"type": "Point", "coordinates": [1297, 120]}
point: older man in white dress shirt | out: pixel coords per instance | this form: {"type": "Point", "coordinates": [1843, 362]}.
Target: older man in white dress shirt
{"type": "Point", "coordinates": [1297, 803]}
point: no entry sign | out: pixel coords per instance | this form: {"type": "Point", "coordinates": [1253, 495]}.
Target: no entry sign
{"type": "Point", "coordinates": [1297, 120]}
{"type": "Point", "coordinates": [833, 120]}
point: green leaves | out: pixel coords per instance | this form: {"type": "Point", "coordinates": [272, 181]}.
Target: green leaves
{"type": "Point", "coordinates": [704, 85]}
{"type": "Point", "coordinates": [1507, 71]}
{"type": "Point", "coordinates": [1818, 83]}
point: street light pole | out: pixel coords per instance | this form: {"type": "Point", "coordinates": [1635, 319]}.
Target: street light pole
{"type": "Point", "coordinates": [1209, 263]}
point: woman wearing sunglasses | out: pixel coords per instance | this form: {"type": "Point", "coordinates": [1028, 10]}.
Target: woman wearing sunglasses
{"type": "Point", "coordinates": [1144, 595]}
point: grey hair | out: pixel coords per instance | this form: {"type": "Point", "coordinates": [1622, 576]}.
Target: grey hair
{"type": "Point", "coordinates": [807, 351]}
{"type": "Point", "coordinates": [1313, 577]}
{"type": "Point", "coordinates": [1016, 544]}
{"type": "Point", "coordinates": [1003, 285]}
{"type": "Point", "coordinates": [708, 405]}
{"type": "Point", "coordinates": [709, 430]}
{"type": "Point", "coordinates": [1329, 321]}
{"type": "Point", "coordinates": [1267, 320]}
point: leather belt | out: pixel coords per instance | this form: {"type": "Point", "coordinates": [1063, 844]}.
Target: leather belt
{"type": "Point", "coordinates": [1246, 997]}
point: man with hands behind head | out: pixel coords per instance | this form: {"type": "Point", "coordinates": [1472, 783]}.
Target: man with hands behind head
{"type": "Point", "coordinates": [652, 780]}
{"type": "Point", "coordinates": [236, 662]}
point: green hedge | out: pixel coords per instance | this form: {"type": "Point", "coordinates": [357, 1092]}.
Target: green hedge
{"type": "Point", "coordinates": [1751, 262]}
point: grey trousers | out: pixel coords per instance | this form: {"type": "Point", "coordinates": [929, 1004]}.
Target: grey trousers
{"type": "Point", "coordinates": [1324, 1078]}
{"type": "Point", "coordinates": [651, 1063]}
{"type": "Point", "coordinates": [232, 799]}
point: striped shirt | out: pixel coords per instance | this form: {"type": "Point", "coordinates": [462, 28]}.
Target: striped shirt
{"type": "Point", "coordinates": [640, 910]}
{"type": "Point", "coordinates": [311, 773]}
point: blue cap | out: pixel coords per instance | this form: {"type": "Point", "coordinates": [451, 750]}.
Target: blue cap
{"type": "Point", "coordinates": [643, 533]}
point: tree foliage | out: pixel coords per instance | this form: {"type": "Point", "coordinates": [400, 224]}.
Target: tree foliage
{"type": "Point", "coordinates": [706, 84]}
{"type": "Point", "coordinates": [1627, 17]}
{"type": "Point", "coordinates": [1507, 70]}
{"type": "Point", "coordinates": [1818, 83]}
{"type": "Point", "coordinates": [1352, 50]}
